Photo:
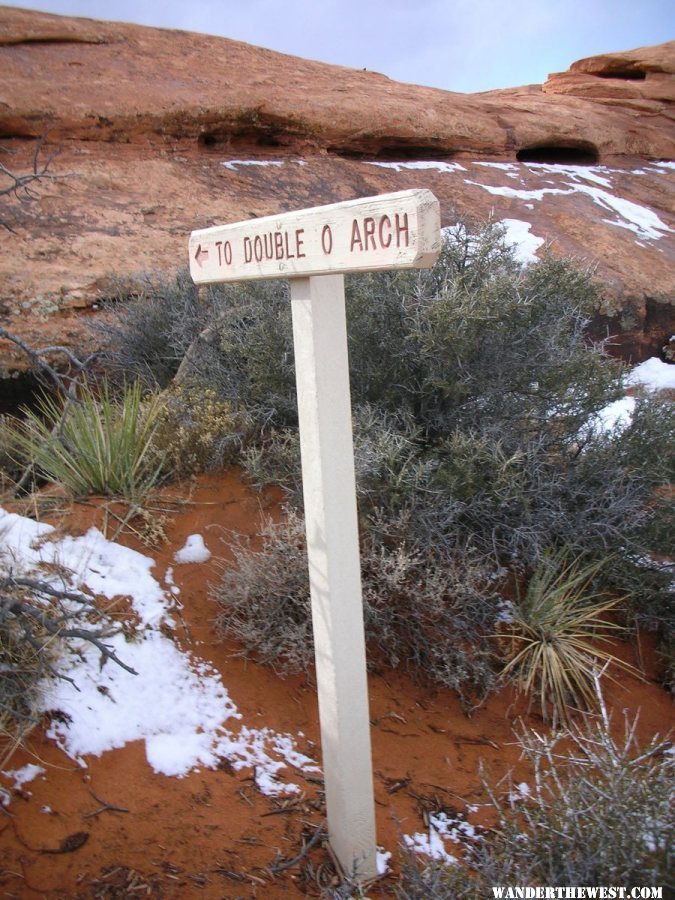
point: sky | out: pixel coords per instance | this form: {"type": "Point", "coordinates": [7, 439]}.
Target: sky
{"type": "Point", "coordinates": [457, 45]}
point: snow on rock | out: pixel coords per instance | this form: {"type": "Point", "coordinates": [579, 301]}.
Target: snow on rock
{"type": "Point", "coordinates": [518, 236]}
{"type": "Point", "coordinates": [194, 551]}
{"type": "Point", "coordinates": [518, 193]}
{"type": "Point", "coordinates": [421, 164]}
{"type": "Point", "coordinates": [653, 374]}
{"type": "Point", "coordinates": [641, 220]}
{"type": "Point", "coordinates": [233, 163]}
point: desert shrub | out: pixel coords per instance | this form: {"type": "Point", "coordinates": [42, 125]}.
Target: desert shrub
{"type": "Point", "coordinates": [264, 599]}
{"type": "Point", "coordinates": [600, 812]}
{"type": "Point", "coordinates": [388, 467]}
{"type": "Point", "coordinates": [421, 610]}
{"type": "Point", "coordinates": [255, 368]}
{"type": "Point", "coordinates": [475, 390]}
{"type": "Point", "coordinates": [96, 444]}
{"type": "Point", "coordinates": [195, 431]}
{"type": "Point", "coordinates": [151, 323]}
{"type": "Point", "coordinates": [238, 337]}
{"type": "Point", "coordinates": [431, 612]}
{"type": "Point", "coordinates": [21, 673]}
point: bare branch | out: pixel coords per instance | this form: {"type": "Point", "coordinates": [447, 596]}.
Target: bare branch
{"type": "Point", "coordinates": [21, 598]}
{"type": "Point", "coordinates": [22, 185]}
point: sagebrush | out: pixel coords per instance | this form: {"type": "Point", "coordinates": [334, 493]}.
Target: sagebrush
{"type": "Point", "coordinates": [599, 811]}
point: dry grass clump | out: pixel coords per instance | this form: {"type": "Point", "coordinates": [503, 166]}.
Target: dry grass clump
{"type": "Point", "coordinates": [195, 431]}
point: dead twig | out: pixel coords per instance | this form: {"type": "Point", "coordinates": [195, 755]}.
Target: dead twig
{"type": "Point", "coordinates": [319, 834]}
{"type": "Point", "coordinates": [105, 807]}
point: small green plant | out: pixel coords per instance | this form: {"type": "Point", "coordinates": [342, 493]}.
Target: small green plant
{"type": "Point", "coordinates": [551, 640]}
{"type": "Point", "coordinates": [95, 444]}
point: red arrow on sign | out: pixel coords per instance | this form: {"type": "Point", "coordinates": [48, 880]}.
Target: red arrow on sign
{"type": "Point", "coordinates": [201, 255]}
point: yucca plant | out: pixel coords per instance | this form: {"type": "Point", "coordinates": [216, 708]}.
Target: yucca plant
{"type": "Point", "coordinates": [552, 639]}
{"type": "Point", "coordinates": [97, 444]}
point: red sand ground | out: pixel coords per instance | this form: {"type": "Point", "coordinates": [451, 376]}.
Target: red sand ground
{"type": "Point", "coordinates": [212, 834]}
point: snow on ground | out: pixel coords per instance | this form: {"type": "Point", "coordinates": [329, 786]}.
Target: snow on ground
{"type": "Point", "coordinates": [653, 374]}
{"type": "Point", "coordinates": [442, 828]}
{"type": "Point", "coordinates": [615, 416]}
{"type": "Point", "coordinates": [194, 551]}
{"type": "Point", "coordinates": [24, 775]}
{"type": "Point", "coordinates": [176, 703]}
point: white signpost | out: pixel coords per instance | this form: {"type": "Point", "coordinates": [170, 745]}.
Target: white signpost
{"type": "Point", "coordinates": [313, 248]}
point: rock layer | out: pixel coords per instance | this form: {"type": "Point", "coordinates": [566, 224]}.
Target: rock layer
{"type": "Point", "coordinates": [161, 132]}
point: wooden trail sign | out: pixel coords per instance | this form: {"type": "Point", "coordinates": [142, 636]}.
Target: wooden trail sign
{"type": "Point", "coordinates": [313, 248]}
{"type": "Point", "coordinates": [391, 231]}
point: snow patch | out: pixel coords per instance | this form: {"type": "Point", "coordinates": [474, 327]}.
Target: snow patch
{"type": "Point", "coordinates": [614, 417]}
{"type": "Point", "coordinates": [518, 236]}
{"type": "Point", "coordinates": [382, 858]}
{"type": "Point", "coordinates": [653, 374]}
{"type": "Point", "coordinates": [518, 193]}
{"type": "Point", "coordinates": [645, 223]}
{"type": "Point", "coordinates": [422, 164]}
{"type": "Point", "coordinates": [430, 844]}
{"type": "Point", "coordinates": [177, 704]}
{"type": "Point", "coordinates": [194, 551]}
{"type": "Point", "coordinates": [233, 163]}
{"type": "Point", "coordinates": [23, 775]}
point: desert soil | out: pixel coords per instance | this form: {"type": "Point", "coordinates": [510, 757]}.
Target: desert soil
{"type": "Point", "coordinates": [212, 834]}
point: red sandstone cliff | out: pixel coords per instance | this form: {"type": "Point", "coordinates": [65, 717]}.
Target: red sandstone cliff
{"type": "Point", "coordinates": [161, 132]}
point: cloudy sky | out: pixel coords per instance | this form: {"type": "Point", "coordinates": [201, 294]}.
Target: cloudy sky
{"type": "Point", "coordinates": [460, 45]}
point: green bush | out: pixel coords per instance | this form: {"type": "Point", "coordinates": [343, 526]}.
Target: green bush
{"type": "Point", "coordinates": [96, 445]}
{"type": "Point", "coordinates": [474, 393]}
{"type": "Point", "coordinates": [151, 321]}
{"type": "Point", "coordinates": [599, 811]}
